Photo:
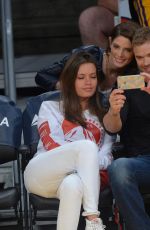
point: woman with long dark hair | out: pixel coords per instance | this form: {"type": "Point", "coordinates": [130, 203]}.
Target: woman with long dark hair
{"type": "Point", "coordinates": [73, 146]}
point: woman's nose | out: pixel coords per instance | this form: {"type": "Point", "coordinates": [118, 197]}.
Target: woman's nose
{"type": "Point", "coordinates": [120, 53]}
{"type": "Point", "coordinates": [88, 81]}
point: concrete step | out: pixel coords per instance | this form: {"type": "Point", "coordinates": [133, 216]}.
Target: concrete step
{"type": "Point", "coordinates": [26, 67]}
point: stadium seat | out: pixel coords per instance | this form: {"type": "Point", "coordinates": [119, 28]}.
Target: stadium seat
{"type": "Point", "coordinates": [10, 141]}
{"type": "Point", "coordinates": [42, 210]}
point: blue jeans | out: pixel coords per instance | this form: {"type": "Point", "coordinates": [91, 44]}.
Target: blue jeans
{"type": "Point", "coordinates": [126, 175]}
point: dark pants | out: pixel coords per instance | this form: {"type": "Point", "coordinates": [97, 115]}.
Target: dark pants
{"type": "Point", "coordinates": [126, 176]}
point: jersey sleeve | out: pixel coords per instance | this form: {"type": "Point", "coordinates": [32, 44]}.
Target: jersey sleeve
{"type": "Point", "coordinates": [105, 152]}
{"type": "Point", "coordinates": [49, 126]}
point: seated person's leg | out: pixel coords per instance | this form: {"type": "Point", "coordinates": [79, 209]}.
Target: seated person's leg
{"type": "Point", "coordinates": [126, 175]}
{"type": "Point", "coordinates": [70, 194]}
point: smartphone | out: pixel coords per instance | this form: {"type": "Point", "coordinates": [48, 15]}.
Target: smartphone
{"type": "Point", "coordinates": [130, 82]}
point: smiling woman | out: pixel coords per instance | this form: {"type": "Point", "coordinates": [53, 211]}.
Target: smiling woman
{"type": "Point", "coordinates": [121, 51]}
{"type": "Point", "coordinates": [116, 60]}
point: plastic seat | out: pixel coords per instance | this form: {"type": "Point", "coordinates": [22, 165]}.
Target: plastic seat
{"type": "Point", "coordinates": [45, 209]}
{"type": "Point", "coordinates": [36, 208]}
{"type": "Point", "coordinates": [10, 140]}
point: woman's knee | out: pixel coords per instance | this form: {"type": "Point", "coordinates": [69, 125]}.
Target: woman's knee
{"type": "Point", "coordinates": [71, 186]}
{"type": "Point", "coordinates": [88, 146]}
{"type": "Point", "coordinates": [88, 149]}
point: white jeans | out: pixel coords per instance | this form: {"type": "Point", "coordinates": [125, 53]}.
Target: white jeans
{"type": "Point", "coordinates": [71, 173]}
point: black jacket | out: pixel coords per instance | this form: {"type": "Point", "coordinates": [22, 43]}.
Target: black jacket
{"type": "Point", "coordinates": [48, 77]}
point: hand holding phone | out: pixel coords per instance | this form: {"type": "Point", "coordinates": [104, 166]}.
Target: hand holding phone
{"type": "Point", "coordinates": [130, 82]}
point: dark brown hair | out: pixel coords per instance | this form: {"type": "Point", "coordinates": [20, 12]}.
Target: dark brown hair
{"type": "Point", "coordinates": [141, 36]}
{"type": "Point", "coordinates": [125, 29]}
{"type": "Point", "coordinates": [71, 101]}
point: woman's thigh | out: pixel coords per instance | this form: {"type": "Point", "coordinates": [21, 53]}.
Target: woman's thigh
{"type": "Point", "coordinates": [45, 172]}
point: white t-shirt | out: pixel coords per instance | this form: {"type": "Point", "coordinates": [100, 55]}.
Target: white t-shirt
{"type": "Point", "coordinates": [55, 131]}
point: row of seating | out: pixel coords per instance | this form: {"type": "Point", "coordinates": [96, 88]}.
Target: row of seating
{"type": "Point", "coordinates": [10, 140]}
{"type": "Point", "coordinates": [29, 210]}
{"type": "Point", "coordinates": [37, 209]}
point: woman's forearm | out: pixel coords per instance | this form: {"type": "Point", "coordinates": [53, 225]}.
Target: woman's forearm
{"type": "Point", "coordinates": [112, 122]}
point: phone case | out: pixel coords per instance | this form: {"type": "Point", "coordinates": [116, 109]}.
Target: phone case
{"type": "Point", "coordinates": [130, 82]}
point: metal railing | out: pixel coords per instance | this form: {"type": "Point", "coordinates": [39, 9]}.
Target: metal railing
{"type": "Point", "coordinates": [8, 50]}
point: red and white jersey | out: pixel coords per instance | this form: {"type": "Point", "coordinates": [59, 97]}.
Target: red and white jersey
{"type": "Point", "coordinates": [55, 131]}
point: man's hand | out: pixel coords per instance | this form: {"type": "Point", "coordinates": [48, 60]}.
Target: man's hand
{"type": "Point", "coordinates": [116, 100]}
{"type": "Point", "coordinates": [147, 80]}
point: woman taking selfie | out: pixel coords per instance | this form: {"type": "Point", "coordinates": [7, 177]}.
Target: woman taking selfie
{"type": "Point", "coordinates": [73, 146]}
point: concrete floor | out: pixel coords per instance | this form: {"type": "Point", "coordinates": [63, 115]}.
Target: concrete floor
{"type": "Point", "coordinates": [25, 68]}
{"type": "Point", "coordinates": [104, 215]}
{"type": "Point", "coordinates": [36, 228]}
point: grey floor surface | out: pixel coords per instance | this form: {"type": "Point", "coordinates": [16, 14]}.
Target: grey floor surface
{"type": "Point", "coordinates": [32, 63]}
{"type": "Point", "coordinates": [25, 68]}
{"type": "Point", "coordinates": [36, 228]}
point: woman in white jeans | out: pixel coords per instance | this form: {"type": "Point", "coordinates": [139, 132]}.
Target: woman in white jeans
{"type": "Point", "coordinates": [73, 147]}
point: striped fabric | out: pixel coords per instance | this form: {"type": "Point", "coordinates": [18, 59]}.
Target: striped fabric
{"type": "Point", "coordinates": [142, 8]}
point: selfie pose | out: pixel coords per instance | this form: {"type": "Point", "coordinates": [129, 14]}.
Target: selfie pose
{"type": "Point", "coordinates": [73, 146]}
{"type": "Point", "coordinates": [129, 115]}
{"type": "Point", "coordinates": [117, 59]}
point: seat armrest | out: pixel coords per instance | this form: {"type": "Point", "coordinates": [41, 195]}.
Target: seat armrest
{"type": "Point", "coordinates": [118, 150]}
{"type": "Point", "coordinates": [24, 150]}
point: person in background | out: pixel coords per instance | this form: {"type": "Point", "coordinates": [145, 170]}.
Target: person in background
{"type": "Point", "coordinates": [140, 11]}
{"type": "Point", "coordinates": [96, 23]}
{"type": "Point", "coordinates": [117, 59]}
{"type": "Point", "coordinates": [73, 146]}
{"type": "Point", "coordinates": [129, 115]}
